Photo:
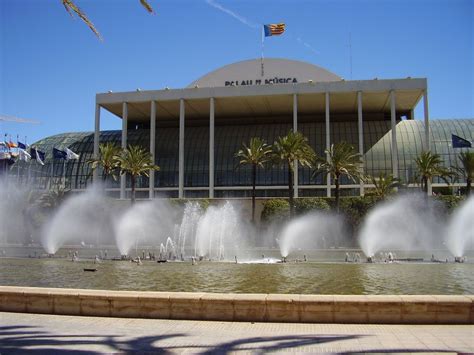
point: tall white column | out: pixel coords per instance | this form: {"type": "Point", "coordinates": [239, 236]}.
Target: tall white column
{"type": "Point", "coordinates": [295, 129]}
{"type": "Point", "coordinates": [361, 136]}
{"type": "Point", "coordinates": [328, 144]}
{"type": "Point", "coordinates": [211, 147]}
{"type": "Point", "coordinates": [123, 178]}
{"type": "Point", "coordinates": [181, 149]}
{"type": "Point", "coordinates": [427, 145]}
{"type": "Point", "coordinates": [95, 176]}
{"type": "Point", "coordinates": [151, 180]}
{"type": "Point", "coordinates": [393, 117]}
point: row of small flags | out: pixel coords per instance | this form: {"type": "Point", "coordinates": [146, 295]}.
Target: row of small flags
{"type": "Point", "coordinates": [34, 154]}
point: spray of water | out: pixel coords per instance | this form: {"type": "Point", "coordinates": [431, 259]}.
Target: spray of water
{"type": "Point", "coordinates": [15, 217]}
{"type": "Point", "coordinates": [84, 218]}
{"type": "Point", "coordinates": [410, 222]}
{"type": "Point", "coordinates": [218, 234]}
{"type": "Point", "coordinates": [312, 231]}
{"type": "Point", "coordinates": [187, 229]}
{"type": "Point", "coordinates": [460, 235]}
{"type": "Point", "coordinates": [147, 223]}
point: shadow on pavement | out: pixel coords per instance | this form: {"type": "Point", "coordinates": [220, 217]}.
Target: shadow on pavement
{"type": "Point", "coordinates": [17, 340]}
{"type": "Point", "coordinates": [23, 339]}
{"type": "Point", "coordinates": [28, 339]}
{"type": "Point", "coordinates": [398, 351]}
{"type": "Point", "coordinates": [276, 343]}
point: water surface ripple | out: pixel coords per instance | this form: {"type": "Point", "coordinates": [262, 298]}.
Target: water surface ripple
{"type": "Point", "coordinates": [298, 278]}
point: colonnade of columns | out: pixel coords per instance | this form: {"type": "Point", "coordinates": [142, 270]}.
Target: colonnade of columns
{"type": "Point", "coordinates": [153, 111]}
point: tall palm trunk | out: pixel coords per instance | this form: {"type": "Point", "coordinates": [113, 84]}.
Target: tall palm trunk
{"type": "Point", "coordinates": [336, 182]}
{"type": "Point", "coordinates": [254, 182]}
{"type": "Point", "coordinates": [424, 184]}
{"type": "Point", "coordinates": [290, 190]}
{"type": "Point", "coordinates": [132, 181]}
{"type": "Point", "coordinates": [104, 180]}
{"type": "Point", "coordinates": [468, 186]}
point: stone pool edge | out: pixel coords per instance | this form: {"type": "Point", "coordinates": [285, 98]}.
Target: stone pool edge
{"type": "Point", "coordinates": [293, 308]}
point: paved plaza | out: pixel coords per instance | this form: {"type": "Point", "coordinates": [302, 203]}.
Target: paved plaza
{"type": "Point", "coordinates": [22, 333]}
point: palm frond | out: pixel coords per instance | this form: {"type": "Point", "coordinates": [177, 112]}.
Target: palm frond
{"type": "Point", "coordinates": [466, 168]}
{"type": "Point", "coordinates": [293, 147]}
{"type": "Point", "coordinates": [342, 160]}
{"type": "Point", "coordinates": [258, 152]}
{"type": "Point", "coordinates": [384, 185]}
{"type": "Point", "coordinates": [107, 159]}
{"type": "Point", "coordinates": [147, 6]}
{"type": "Point", "coordinates": [135, 161]}
{"type": "Point", "coordinates": [71, 8]}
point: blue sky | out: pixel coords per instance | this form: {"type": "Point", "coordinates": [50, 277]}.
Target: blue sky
{"type": "Point", "coordinates": [51, 66]}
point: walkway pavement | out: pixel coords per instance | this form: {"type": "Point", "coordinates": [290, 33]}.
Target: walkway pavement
{"type": "Point", "coordinates": [48, 334]}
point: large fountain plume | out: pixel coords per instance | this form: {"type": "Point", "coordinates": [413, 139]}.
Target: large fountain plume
{"type": "Point", "coordinates": [219, 234]}
{"type": "Point", "coordinates": [185, 233]}
{"type": "Point", "coordinates": [460, 233]}
{"type": "Point", "coordinates": [147, 223]}
{"type": "Point", "coordinates": [313, 231]}
{"type": "Point", "coordinates": [15, 219]}
{"type": "Point", "coordinates": [409, 222]}
{"type": "Point", "coordinates": [84, 219]}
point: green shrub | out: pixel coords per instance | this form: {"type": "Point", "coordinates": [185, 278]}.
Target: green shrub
{"type": "Point", "coordinates": [308, 204]}
{"type": "Point", "coordinates": [450, 202]}
{"type": "Point", "coordinates": [275, 210]}
{"type": "Point", "coordinates": [356, 208]}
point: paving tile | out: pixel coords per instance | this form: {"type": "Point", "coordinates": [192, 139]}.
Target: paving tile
{"type": "Point", "coordinates": [175, 336]}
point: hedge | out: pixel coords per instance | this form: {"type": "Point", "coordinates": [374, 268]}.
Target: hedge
{"type": "Point", "coordinates": [450, 202]}
{"type": "Point", "coordinates": [305, 205]}
{"type": "Point", "coordinates": [275, 210]}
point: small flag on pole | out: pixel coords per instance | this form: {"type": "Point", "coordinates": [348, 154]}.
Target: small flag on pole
{"type": "Point", "coordinates": [459, 142]}
{"type": "Point", "coordinates": [70, 155]}
{"type": "Point", "coordinates": [22, 145]}
{"type": "Point", "coordinates": [11, 145]}
{"type": "Point", "coordinates": [59, 154]}
{"type": "Point", "coordinates": [23, 155]}
{"type": "Point", "coordinates": [38, 155]}
{"type": "Point", "coordinates": [274, 29]}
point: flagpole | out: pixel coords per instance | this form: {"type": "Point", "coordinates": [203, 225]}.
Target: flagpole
{"type": "Point", "coordinates": [261, 58]}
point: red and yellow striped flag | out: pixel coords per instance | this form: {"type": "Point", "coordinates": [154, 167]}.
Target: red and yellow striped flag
{"type": "Point", "coordinates": [274, 29]}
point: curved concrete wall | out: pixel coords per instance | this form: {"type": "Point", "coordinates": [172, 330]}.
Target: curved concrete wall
{"type": "Point", "coordinates": [426, 309]}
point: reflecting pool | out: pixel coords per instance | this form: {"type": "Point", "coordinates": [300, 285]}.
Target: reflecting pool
{"type": "Point", "coordinates": [312, 277]}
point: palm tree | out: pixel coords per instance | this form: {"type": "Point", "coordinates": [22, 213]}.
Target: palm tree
{"type": "Point", "coordinates": [343, 160]}
{"type": "Point", "coordinates": [135, 161]}
{"type": "Point", "coordinates": [384, 185]}
{"type": "Point", "coordinates": [72, 8]}
{"type": "Point", "coordinates": [291, 150]}
{"type": "Point", "coordinates": [430, 165]}
{"type": "Point", "coordinates": [107, 160]}
{"type": "Point", "coordinates": [256, 154]}
{"type": "Point", "coordinates": [53, 198]}
{"type": "Point", "coordinates": [466, 170]}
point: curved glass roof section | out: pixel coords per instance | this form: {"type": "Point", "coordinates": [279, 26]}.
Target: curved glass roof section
{"type": "Point", "coordinates": [229, 138]}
